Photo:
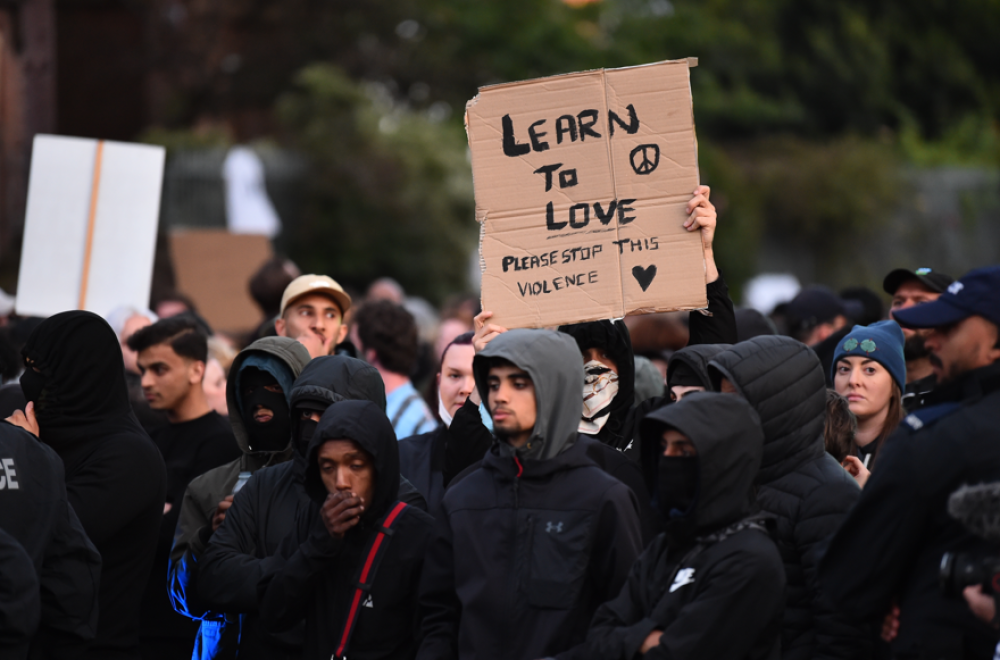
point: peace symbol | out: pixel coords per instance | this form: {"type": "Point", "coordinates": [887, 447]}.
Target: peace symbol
{"type": "Point", "coordinates": [645, 158]}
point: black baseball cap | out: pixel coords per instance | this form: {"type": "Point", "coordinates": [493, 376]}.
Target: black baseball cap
{"type": "Point", "coordinates": [930, 278]}
{"type": "Point", "coordinates": [815, 305]}
{"type": "Point", "coordinates": [976, 294]}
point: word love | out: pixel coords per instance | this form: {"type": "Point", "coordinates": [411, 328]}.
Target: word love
{"type": "Point", "coordinates": [579, 214]}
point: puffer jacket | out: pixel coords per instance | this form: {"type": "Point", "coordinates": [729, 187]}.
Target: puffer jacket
{"type": "Point", "coordinates": [799, 483]}
{"type": "Point", "coordinates": [217, 637]}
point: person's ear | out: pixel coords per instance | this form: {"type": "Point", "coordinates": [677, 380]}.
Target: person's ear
{"type": "Point", "coordinates": [279, 327]}
{"type": "Point", "coordinates": [196, 374]}
{"type": "Point", "coordinates": [371, 357]}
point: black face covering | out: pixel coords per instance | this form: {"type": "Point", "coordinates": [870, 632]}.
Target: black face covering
{"type": "Point", "coordinates": [33, 384]}
{"type": "Point", "coordinates": [678, 485]}
{"type": "Point", "coordinates": [272, 435]}
{"type": "Point", "coordinates": [306, 429]}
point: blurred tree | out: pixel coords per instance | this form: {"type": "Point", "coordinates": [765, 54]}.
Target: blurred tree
{"type": "Point", "coordinates": [390, 190]}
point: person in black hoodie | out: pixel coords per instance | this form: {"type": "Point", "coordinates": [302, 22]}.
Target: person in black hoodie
{"type": "Point", "coordinates": [799, 483]}
{"type": "Point", "coordinates": [74, 381]}
{"type": "Point", "coordinates": [353, 584]}
{"type": "Point", "coordinates": [244, 548]}
{"type": "Point", "coordinates": [35, 511]}
{"type": "Point", "coordinates": [535, 538]}
{"type": "Point", "coordinates": [20, 603]}
{"type": "Point", "coordinates": [710, 586]}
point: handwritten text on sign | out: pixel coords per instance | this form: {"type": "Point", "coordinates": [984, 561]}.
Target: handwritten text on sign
{"type": "Point", "coordinates": [581, 186]}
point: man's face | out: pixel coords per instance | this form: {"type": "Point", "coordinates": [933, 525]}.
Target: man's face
{"type": "Point", "coordinates": [346, 467]}
{"type": "Point", "coordinates": [912, 292]}
{"type": "Point", "coordinates": [512, 403]}
{"type": "Point", "coordinates": [455, 382]}
{"type": "Point", "coordinates": [260, 412]}
{"type": "Point", "coordinates": [964, 346]}
{"type": "Point", "coordinates": [675, 443]}
{"type": "Point", "coordinates": [167, 378]}
{"type": "Point", "coordinates": [132, 325]}
{"type": "Point", "coordinates": [315, 318]}
{"type": "Point", "coordinates": [600, 355]}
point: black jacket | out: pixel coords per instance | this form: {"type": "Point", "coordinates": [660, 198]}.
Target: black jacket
{"type": "Point", "coordinates": [891, 544]}
{"type": "Point", "coordinates": [20, 602]}
{"type": "Point", "coordinates": [714, 582]}
{"type": "Point", "coordinates": [35, 511]}
{"type": "Point", "coordinates": [318, 574]}
{"type": "Point", "coordinates": [263, 513]}
{"type": "Point", "coordinates": [115, 478]}
{"type": "Point", "coordinates": [533, 540]}
{"type": "Point", "coordinates": [799, 483]}
{"type": "Point", "coordinates": [431, 460]}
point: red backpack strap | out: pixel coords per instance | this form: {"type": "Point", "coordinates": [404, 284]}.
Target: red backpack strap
{"type": "Point", "coordinates": [372, 558]}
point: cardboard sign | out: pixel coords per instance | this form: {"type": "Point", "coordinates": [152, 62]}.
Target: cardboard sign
{"type": "Point", "coordinates": [581, 183]}
{"type": "Point", "coordinates": [214, 267]}
{"type": "Point", "coordinates": [90, 225]}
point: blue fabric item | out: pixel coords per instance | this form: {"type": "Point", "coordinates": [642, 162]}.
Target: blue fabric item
{"type": "Point", "coordinates": [272, 365]}
{"type": "Point", "coordinates": [408, 413]}
{"type": "Point", "coordinates": [976, 294]}
{"type": "Point", "coordinates": [882, 342]}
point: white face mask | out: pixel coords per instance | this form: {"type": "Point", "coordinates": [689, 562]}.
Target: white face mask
{"type": "Point", "coordinates": [600, 385]}
{"type": "Point", "coordinates": [443, 413]}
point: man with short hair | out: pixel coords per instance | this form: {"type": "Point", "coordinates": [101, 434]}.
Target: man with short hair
{"type": "Point", "coordinates": [312, 311]}
{"type": "Point", "coordinates": [534, 539]}
{"type": "Point", "coordinates": [386, 337]}
{"type": "Point", "coordinates": [909, 288]}
{"type": "Point", "coordinates": [171, 356]}
{"type": "Point", "coordinates": [890, 546]}
{"type": "Point", "coordinates": [815, 314]}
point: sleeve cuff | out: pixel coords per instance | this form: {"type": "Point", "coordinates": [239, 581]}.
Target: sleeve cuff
{"type": "Point", "coordinates": [204, 536]}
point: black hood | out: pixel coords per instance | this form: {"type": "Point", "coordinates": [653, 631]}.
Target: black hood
{"type": "Point", "coordinates": [366, 424]}
{"type": "Point", "coordinates": [80, 361]}
{"type": "Point", "coordinates": [783, 380]}
{"type": "Point", "coordinates": [327, 380]}
{"type": "Point", "coordinates": [613, 338]}
{"type": "Point", "coordinates": [696, 359]}
{"type": "Point", "coordinates": [725, 431]}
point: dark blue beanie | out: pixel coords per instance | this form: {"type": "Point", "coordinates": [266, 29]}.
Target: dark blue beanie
{"type": "Point", "coordinates": [882, 342]}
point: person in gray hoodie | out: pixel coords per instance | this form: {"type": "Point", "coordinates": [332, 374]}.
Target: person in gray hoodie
{"type": "Point", "coordinates": [534, 539]}
{"type": "Point", "coordinates": [209, 496]}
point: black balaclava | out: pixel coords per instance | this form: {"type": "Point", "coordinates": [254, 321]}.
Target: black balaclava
{"type": "Point", "coordinates": [273, 434]}
{"type": "Point", "coordinates": [683, 375]}
{"type": "Point", "coordinates": [677, 485]}
{"type": "Point", "coordinates": [33, 384]}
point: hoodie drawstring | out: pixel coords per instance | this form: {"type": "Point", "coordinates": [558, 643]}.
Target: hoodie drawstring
{"type": "Point", "coordinates": [517, 478]}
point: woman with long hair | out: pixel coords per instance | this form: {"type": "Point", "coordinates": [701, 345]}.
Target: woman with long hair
{"type": "Point", "coordinates": [870, 372]}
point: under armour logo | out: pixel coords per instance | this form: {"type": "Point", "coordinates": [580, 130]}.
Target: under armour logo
{"type": "Point", "coordinates": [557, 528]}
{"type": "Point", "coordinates": [684, 576]}
{"type": "Point", "coordinates": [955, 288]}
{"type": "Point", "coordinates": [368, 602]}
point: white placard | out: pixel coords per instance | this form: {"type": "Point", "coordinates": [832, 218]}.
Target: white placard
{"type": "Point", "coordinates": [72, 202]}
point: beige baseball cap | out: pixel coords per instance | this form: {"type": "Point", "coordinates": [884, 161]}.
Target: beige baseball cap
{"type": "Point", "coordinates": [318, 284]}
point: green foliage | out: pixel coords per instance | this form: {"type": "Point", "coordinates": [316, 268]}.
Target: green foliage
{"type": "Point", "coordinates": [390, 192]}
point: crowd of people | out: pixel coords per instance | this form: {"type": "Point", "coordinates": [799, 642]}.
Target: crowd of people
{"type": "Point", "coordinates": [369, 481]}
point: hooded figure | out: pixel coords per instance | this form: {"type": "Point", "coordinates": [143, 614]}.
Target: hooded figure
{"type": "Point", "coordinates": [713, 582]}
{"type": "Point", "coordinates": [798, 482]}
{"type": "Point", "coordinates": [243, 549]}
{"type": "Point", "coordinates": [612, 393]}
{"type": "Point", "coordinates": [217, 636]}
{"type": "Point", "coordinates": [536, 537]}
{"type": "Point", "coordinates": [115, 478]}
{"type": "Point", "coordinates": [316, 574]}
{"type": "Point", "coordinates": [35, 511]}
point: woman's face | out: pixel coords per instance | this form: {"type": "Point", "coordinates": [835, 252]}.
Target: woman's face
{"type": "Point", "coordinates": [455, 382]}
{"type": "Point", "coordinates": [214, 386]}
{"type": "Point", "coordinates": [865, 384]}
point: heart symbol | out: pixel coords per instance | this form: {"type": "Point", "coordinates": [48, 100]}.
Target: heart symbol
{"type": "Point", "coordinates": [644, 276]}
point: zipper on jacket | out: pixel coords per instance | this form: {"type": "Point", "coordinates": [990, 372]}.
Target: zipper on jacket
{"type": "Point", "coordinates": [517, 479]}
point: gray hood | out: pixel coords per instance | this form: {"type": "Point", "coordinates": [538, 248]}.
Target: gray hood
{"type": "Point", "coordinates": [289, 351]}
{"type": "Point", "coordinates": [552, 359]}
